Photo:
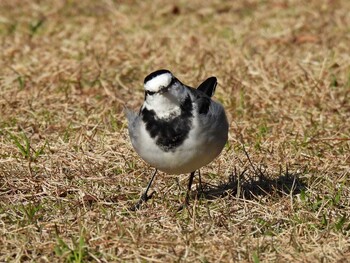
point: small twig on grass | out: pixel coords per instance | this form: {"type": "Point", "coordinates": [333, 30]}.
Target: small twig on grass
{"type": "Point", "coordinates": [260, 174]}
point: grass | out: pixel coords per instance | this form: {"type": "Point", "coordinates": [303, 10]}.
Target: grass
{"type": "Point", "coordinates": [68, 174]}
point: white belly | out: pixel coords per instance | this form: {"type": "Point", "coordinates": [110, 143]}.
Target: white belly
{"type": "Point", "coordinates": [199, 149]}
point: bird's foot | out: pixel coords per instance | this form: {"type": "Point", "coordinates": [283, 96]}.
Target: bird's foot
{"type": "Point", "coordinates": [143, 199]}
{"type": "Point", "coordinates": [185, 204]}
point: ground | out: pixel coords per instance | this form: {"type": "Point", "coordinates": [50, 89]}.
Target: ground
{"type": "Point", "coordinates": [280, 190]}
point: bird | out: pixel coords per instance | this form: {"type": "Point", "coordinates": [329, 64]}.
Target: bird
{"type": "Point", "coordinates": [178, 129]}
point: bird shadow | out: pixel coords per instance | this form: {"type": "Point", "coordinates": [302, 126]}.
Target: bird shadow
{"type": "Point", "coordinates": [249, 185]}
{"type": "Point", "coordinates": [255, 181]}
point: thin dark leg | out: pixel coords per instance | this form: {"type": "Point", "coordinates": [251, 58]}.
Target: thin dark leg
{"type": "Point", "coordinates": [190, 181]}
{"type": "Point", "coordinates": [187, 198]}
{"type": "Point", "coordinates": [144, 197]}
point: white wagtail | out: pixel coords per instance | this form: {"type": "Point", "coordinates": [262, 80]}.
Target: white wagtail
{"type": "Point", "coordinates": [178, 129]}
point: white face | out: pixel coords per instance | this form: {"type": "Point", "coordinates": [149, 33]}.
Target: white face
{"type": "Point", "coordinates": [167, 94]}
{"type": "Point", "coordinates": [158, 82]}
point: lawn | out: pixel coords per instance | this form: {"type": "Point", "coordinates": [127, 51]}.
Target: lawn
{"type": "Point", "coordinates": [280, 190]}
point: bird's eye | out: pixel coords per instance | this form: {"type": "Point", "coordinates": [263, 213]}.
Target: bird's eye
{"type": "Point", "coordinates": [150, 92]}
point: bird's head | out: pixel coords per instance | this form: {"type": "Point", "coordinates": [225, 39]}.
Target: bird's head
{"type": "Point", "coordinates": [159, 82]}
{"type": "Point", "coordinates": [164, 93]}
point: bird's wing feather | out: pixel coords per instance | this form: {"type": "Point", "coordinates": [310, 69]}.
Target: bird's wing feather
{"type": "Point", "coordinates": [130, 115]}
{"type": "Point", "coordinates": [133, 120]}
{"type": "Point", "coordinates": [211, 113]}
{"type": "Point", "coordinates": [203, 104]}
{"type": "Point", "coordinates": [201, 100]}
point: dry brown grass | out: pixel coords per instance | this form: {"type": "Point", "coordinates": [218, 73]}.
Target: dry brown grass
{"type": "Point", "coordinates": [280, 190]}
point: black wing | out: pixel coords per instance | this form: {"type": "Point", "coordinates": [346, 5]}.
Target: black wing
{"type": "Point", "coordinates": [208, 86]}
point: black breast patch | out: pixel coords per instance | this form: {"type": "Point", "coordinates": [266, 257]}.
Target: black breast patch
{"type": "Point", "coordinates": [169, 133]}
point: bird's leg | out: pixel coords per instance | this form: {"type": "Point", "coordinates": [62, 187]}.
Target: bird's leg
{"type": "Point", "coordinates": [187, 198]}
{"type": "Point", "coordinates": [144, 197]}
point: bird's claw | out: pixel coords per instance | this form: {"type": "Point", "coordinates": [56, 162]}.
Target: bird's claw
{"type": "Point", "coordinates": [143, 199]}
{"type": "Point", "coordinates": [185, 204]}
